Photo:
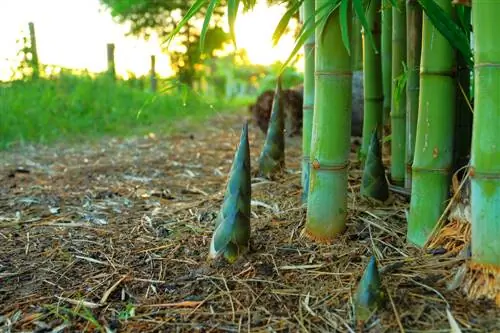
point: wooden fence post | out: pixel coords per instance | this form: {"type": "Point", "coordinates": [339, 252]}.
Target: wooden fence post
{"type": "Point", "coordinates": [34, 53]}
{"type": "Point", "coordinates": [111, 60]}
{"type": "Point", "coordinates": [153, 74]}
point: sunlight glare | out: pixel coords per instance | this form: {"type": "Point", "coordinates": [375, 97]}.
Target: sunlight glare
{"type": "Point", "coordinates": [74, 34]}
{"type": "Point", "coordinates": [254, 31]}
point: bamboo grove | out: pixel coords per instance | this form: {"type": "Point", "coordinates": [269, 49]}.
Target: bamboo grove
{"type": "Point", "coordinates": [431, 72]}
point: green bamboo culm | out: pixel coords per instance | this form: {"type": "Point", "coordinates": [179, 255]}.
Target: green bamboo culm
{"type": "Point", "coordinates": [386, 56]}
{"type": "Point", "coordinates": [357, 44]}
{"type": "Point", "coordinates": [308, 102]}
{"type": "Point", "coordinates": [374, 184]}
{"type": "Point", "coordinates": [330, 142]}
{"type": "Point", "coordinates": [369, 295]}
{"type": "Point", "coordinates": [372, 76]}
{"type": "Point", "coordinates": [485, 151]}
{"type": "Point", "coordinates": [413, 50]}
{"type": "Point", "coordinates": [232, 226]}
{"type": "Point", "coordinates": [272, 157]}
{"type": "Point", "coordinates": [435, 129]}
{"type": "Point", "coordinates": [398, 106]}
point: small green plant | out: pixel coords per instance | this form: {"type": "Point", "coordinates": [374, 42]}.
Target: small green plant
{"type": "Point", "coordinates": [129, 312]}
{"type": "Point", "coordinates": [69, 107]}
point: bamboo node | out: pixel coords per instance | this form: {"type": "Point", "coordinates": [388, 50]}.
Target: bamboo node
{"type": "Point", "coordinates": [431, 170]}
{"type": "Point", "coordinates": [329, 167]}
{"type": "Point", "coordinates": [338, 73]}
{"type": "Point", "coordinates": [487, 65]}
{"type": "Point", "coordinates": [483, 175]}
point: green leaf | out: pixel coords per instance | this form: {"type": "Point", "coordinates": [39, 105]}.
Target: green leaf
{"type": "Point", "coordinates": [360, 13]}
{"type": "Point", "coordinates": [195, 8]}
{"type": "Point", "coordinates": [206, 22]}
{"type": "Point", "coordinates": [448, 28]}
{"type": "Point", "coordinates": [283, 23]}
{"type": "Point", "coordinates": [330, 9]}
{"type": "Point", "coordinates": [464, 15]}
{"type": "Point", "coordinates": [344, 25]}
{"type": "Point", "coordinates": [400, 84]}
{"type": "Point", "coordinates": [309, 27]}
{"type": "Point", "coordinates": [232, 11]}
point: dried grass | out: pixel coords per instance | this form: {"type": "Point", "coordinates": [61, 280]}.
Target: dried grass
{"type": "Point", "coordinates": [115, 236]}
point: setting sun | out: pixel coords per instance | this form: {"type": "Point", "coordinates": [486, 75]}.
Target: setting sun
{"type": "Point", "coordinates": [74, 35]}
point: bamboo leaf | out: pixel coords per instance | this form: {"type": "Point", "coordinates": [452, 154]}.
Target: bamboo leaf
{"type": "Point", "coordinates": [400, 84]}
{"type": "Point", "coordinates": [358, 8]}
{"type": "Point", "coordinates": [232, 11]}
{"type": "Point", "coordinates": [283, 23]}
{"type": "Point", "coordinates": [309, 27]}
{"type": "Point", "coordinates": [195, 8]}
{"type": "Point", "coordinates": [330, 8]}
{"type": "Point", "coordinates": [344, 25]}
{"type": "Point", "coordinates": [464, 15]}
{"type": "Point", "coordinates": [206, 22]}
{"type": "Point", "coordinates": [448, 28]}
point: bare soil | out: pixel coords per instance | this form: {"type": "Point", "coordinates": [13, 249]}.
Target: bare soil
{"type": "Point", "coordinates": [113, 237]}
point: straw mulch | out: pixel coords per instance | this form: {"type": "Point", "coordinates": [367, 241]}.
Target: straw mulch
{"type": "Point", "coordinates": [114, 236]}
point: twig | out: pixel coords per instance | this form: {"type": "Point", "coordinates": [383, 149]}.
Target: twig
{"type": "Point", "coordinates": [183, 304]}
{"type": "Point", "coordinates": [110, 290]}
{"type": "Point", "coordinates": [89, 305]}
{"type": "Point", "coordinates": [401, 329]}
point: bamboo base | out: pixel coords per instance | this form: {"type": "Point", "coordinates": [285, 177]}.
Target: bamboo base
{"type": "Point", "coordinates": [321, 239]}
{"type": "Point", "coordinates": [483, 280]}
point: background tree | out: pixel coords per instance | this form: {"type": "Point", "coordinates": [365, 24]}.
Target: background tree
{"type": "Point", "coordinates": [147, 16]}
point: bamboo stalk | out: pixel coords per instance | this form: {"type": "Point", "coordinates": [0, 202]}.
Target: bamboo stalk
{"type": "Point", "coordinates": [357, 45]}
{"type": "Point", "coordinates": [435, 129]}
{"type": "Point", "coordinates": [398, 106]}
{"type": "Point", "coordinates": [308, 102]}
{"type": "Point", "coordinates": [413, 50]}
{"type": "Point", "coordinates": [372, 75]}
{"type": "Point", "coordinates": [485, 153]}
{"type": "Point", "coordinates": [330, 142]}
{"type": "Point", "coordinates": [386, 56]}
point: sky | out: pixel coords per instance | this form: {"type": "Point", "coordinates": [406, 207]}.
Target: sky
{"type": "Point", "coordinates": [74, 34]}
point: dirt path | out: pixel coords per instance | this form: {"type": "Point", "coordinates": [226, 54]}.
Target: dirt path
{"type": "Point", "coordinates": [115, 235]}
